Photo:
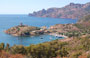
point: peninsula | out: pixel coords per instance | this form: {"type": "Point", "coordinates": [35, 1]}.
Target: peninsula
{"type": "Point", "coordinates": [24, 30]}
{"type": "Point", "coordinates": [72, 11]}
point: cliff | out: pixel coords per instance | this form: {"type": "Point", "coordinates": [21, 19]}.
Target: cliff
{"type": "Point", "coordinates": [73, 11]}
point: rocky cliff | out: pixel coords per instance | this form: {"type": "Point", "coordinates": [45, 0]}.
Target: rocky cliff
{"type": "Point", "coordinates": [73, 11]}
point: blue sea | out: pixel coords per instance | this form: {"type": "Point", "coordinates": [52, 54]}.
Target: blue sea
{"type": "Point", "coordinates": [8, 21]}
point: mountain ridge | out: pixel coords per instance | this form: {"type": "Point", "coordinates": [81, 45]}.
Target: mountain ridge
{"type": "Point", "coordinates": [73, 11]}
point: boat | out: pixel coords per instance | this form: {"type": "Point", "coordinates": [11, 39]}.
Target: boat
{"type": "Point", "coordinates": [41, 38]}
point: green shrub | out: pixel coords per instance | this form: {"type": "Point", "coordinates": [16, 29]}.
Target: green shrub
{"type": "Point", "coordinates": [2, 46]}
{"type": "Point", "coordinates": [76, 54]}
{"type": "Point", "coordinates": [18, 50]}
{"type": "Point", "coordinates": [62, 52]}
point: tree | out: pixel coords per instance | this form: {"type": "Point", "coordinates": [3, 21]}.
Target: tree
{"type": "Point", "coordinates": [63, 52]}
{"type": "Point", "coordinates": [18, 49]}
{"type": "Point", "coordinates": [7, 47]}
{"type": "Point", "coordinates": [2, 46]}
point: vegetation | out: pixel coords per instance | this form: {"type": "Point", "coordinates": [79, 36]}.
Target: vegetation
{"type": "Point", "coordinates": [73, 30]}
{"type": "Point", "coordinates": [79, 11]}
{"type": "Point", "coordinates": [85, 19]}
{"type": "Point", "coordinates": [73, 49]}
{"type": "Point", "coordinates": [24, 30]}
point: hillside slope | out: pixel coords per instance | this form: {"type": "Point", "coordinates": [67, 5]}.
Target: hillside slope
{"type": "Point", "coordinates": [85, 19]}
{"type": "Point", "coordinates": [82, 27]}
{"type": "Point", "coordinates": [73, 11]}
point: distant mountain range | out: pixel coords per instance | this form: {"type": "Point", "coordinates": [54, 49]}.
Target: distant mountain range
{"type": "Point", "coordinates": [73, 11]}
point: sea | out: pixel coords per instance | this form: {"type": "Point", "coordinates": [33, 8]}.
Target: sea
{"type": "Point", "coordinates": [8, 21]}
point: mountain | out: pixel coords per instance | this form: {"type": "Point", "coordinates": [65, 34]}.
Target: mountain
{"type": "Point", "coordinates": [73, 11]}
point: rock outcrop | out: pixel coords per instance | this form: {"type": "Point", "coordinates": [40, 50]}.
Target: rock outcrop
{"type": "Point", "coordinates": [24, 30]}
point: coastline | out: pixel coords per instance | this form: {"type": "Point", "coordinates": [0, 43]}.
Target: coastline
{"type": "Point", "coordinates": [66, 39]}
{"type": "Point", "coordinates": [58, 35]}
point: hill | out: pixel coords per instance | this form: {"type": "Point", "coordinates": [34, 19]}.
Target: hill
{"type": "Point", "coordinates": [85, 19]}
{"type": "Point", "coordinates": [82, 27]}
{"type": "Point", "coordinates": [73, 11]}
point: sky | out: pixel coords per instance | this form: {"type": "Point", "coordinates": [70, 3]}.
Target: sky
{"type": "Point", "coordinates": [28, 6]}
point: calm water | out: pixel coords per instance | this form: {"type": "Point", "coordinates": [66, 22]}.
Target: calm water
{"type": "Point", "coordinates": [7, 21]}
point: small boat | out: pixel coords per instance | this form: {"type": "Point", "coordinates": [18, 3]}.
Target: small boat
{"type": "Point", "coordinates": [41, 38]}
{"type": "Point", "coordinates": [56, 36]}
{"type": "Point", "coordinates": [59, 37]}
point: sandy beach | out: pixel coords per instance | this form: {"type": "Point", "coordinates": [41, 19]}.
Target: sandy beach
{"type": "Point", "coordinates": [58, 35]}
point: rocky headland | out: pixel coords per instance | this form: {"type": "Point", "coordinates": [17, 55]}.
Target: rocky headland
{"type": "Point", "coordinates": [24, 30]}
{"type": "Point", "coordinates": [73, 11]}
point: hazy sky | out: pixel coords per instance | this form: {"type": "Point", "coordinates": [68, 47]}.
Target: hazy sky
{"type": "Point", "coordinates": [28, 6]}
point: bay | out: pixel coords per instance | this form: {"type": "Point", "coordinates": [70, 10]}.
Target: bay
{"type": "Point", "coordinates": [8, 21]}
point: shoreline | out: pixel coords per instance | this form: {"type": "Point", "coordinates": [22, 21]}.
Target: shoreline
{"type": "Point", "coordinates": [58, 35]}
{"type": "Point", "coordinates": [66, 39]}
